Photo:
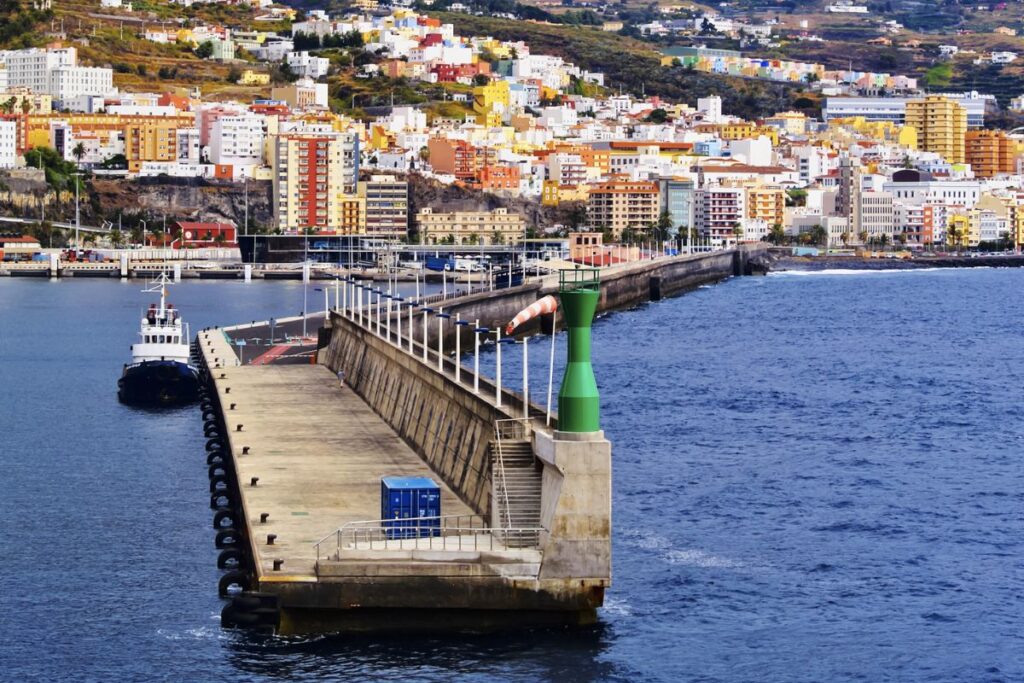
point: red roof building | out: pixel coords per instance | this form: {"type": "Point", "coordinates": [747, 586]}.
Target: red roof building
{"type": "Point", "coordinates": [205, 235]}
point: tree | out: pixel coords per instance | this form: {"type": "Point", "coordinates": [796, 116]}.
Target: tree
{"type": "Point", "coordinates": [116, 238]}
{"type": "Point", "coordinates": [205, 50]}
{"type": "Point", "coordinates": [777, 234]}
{"type": "Point", "coordinates": [819, 235]}
{"type": "Point", "coordinates": [481, 79]}
{"type": "Point", "coordinates": [661, 230]}
{"type": "Point", "coordinates": [657, 116]}
{"type": "Point", "coordinates": [26, 105]}
{"type": "Point", "coordinates": [737, 231]}
{"type": "Point", "coordinates": [78, 152]}
{"type": "Point", "coordinates": [863, 236]}
{"type": "Point", "coordinates": [234, 75]}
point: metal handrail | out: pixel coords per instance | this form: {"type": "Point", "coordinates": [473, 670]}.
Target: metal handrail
{"type": "Point", "coordinates": [424, 532]}
{"type": "Point", "coordinates": [510, 428]}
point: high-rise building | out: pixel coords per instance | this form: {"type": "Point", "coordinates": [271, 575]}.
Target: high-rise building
{"type": "Point", "coordinates": [314, 178]}
{"type": "Point", "coordinates": [941, 125]}
{"type": "Point", "coordinates": [721, 214]}
{"type": "Point", "coordinates": [619, 205]}
{"type": "Point", "coordinates": [849, 184]}
{"type": "Point", "coordinates": [989, 152]}
{"type": "Point", "coordinates": [873, 215]}
{"type": "Point", "coordinates": [386, 199]}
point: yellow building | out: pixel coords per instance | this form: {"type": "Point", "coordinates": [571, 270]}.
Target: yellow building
{"type": "Point", "coordinates": [766, 203]}
{"type": "Point", "coordinates": [553, 194]}
{"type": "Point", "coordinates": [792, 122]}
{"type": "Point", "coordinates": [250, 77]}
{"type": "Point", "coordinates": [941, 125]}
{"type": "Point", "coordinates": [743, 130]}
{"type": "Point", "coordinates": [146, 138]}
{"type": "Point", "coordinates": [490, 102]}
{"type": "Point", "coordinates": [958, 231]}
{"type": "Point", "coordinates": [471, 227]}
{"type": "Point", "coordinates": [619, 205]}
{"type": "Point", "coordinates": [23, 100]}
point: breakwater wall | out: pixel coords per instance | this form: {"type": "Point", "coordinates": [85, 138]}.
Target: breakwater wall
{"type": "Point", "coordinates": [446, 423]}
{"type": "Point", "coordinates": [621, 287]}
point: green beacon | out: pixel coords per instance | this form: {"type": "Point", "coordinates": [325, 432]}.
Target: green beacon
{"type": "Point", "coordinates": [579, 404]}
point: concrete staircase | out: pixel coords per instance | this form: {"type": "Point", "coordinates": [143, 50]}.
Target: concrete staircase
{"type": "Point", "coordinates": [522, 484]}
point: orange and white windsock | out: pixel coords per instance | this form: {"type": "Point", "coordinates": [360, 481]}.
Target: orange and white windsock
{"type": "Point", "coordinates": [548, 304]}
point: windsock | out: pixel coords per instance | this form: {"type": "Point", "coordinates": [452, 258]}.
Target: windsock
{"type": "Point", "coordinates": [548, 304]}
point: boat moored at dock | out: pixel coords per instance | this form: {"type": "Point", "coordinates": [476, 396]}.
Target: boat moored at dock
{"type": "Point", "coordinates": [160, 373]}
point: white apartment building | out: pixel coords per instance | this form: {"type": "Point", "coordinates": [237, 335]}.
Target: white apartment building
{"type": "Point", "coordinates": [894, 109]}
{"type": "Point", "coordinates": [711, 108]}
{"type": "Point", "coordinates": [918, 187]}
{"type": "Point", "coordinates": [188, 145]}
{"type": "Point", "coordinates": [304, 64]}
{"type": "Point", "coordinates": [237, 140]}
{"type": "Point", "coordinates": [8, 144]}
{"type": "Point", "coordinates": [811, 163]}
{"type": "Point", "coordinates": [991, 225]}
{"type": "Point", "coordinates": [719, 211]}
{"type": "Point", "coordinates": [873, 213]}
{"type": "Point", "coordinates": [55, 72]}
{"type": "Point", "coordinates": [566, 169]}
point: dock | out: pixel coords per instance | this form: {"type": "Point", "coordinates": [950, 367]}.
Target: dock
{"type": "Point", "coordinates": [297, 453]}
{"type": "Point", "coordinates": [299, 439]}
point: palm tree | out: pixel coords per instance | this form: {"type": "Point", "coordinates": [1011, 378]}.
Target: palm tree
{"type": "Point", "coordinates": [737, 232]}
{"type": "Point", "coordinates": [777, 234]}
{"type": "Point", "coordinates": [819, 235]}
{"type": "Point", "coordinates": [78, 152]}
{"type": "Point", "coordinates": [116, 238]}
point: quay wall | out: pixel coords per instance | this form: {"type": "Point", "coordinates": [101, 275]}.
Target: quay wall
{"type": "Point", "coordinates": [447, 424]}
{"type": "Point", "coordinates": [621, 287]}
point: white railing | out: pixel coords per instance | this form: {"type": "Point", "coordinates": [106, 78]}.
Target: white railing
{"type": "Point", "coordinates": [511, 429]}
{"type": "Point", "coordinates": [447, 533]}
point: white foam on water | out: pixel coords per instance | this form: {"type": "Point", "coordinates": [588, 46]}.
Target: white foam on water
{"type": "Point", "coordinates": [856, 271]}
{"type": "Point", "coordinates": [686, 557]}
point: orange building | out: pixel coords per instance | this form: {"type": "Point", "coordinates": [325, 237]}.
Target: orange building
{"type": "Point", "coordinates": [459, 158]}
{"type": "Point", "coordinates": [497, 178]}
{"type": "Point", "coordinates": [989, 152]}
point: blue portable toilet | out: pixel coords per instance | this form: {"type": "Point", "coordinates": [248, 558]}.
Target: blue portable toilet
{"type": "Point", "coordinates": [410, 507]}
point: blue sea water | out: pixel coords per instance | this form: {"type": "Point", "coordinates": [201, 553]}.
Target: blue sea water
{"type": "Point", "coordinates": [817, 477]}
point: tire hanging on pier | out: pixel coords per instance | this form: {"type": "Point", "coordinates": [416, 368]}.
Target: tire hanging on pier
{"type": "Point", "coordinates": [230, 557]}
{"type": "Point", "coordinates": [230, 516]}
{"type": "Point", "coordinates": [227, 538]}
{"type": "Point", "coordinates": [233, 578]}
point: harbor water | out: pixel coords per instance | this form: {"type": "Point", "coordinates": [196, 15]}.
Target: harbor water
{"type": "Point", "coordinates": [817, 477]}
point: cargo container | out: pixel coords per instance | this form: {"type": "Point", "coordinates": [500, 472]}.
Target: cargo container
{"type": "Point", "coordinates": [410, 507]}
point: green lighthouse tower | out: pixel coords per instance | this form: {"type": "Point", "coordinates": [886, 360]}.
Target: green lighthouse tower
{"type": "Point", "coordinates": [579, 405]}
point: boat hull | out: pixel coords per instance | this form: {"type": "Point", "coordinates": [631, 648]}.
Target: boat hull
{"type": "Point", "coordinates": [158, 383]}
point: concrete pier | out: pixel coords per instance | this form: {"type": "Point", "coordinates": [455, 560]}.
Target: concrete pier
{"type": "Point", "coordinates": [525, 533]}
{"type": "Point", "coordinates": [318, 452]}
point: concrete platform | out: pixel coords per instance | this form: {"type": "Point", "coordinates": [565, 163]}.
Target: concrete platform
{"type": "Point", "coordinates": [319, 452]}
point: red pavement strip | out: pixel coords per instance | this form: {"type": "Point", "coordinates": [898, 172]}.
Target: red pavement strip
{"type": "Point", "coordinates": [269, 356]}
